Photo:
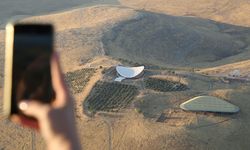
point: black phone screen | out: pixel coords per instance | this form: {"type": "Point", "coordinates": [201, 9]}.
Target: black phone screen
{"type": "Point", "coordinates": [31, 74]}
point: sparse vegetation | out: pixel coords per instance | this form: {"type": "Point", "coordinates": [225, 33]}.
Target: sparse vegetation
{"type": "Point", "coordinates": [164, 85]}
{"type": "Point", "coordinates": [108, 96]}
{"type": "Point", "coordinates": [77, 80]}
{"type": "Point", "coordinates": [125, 61]}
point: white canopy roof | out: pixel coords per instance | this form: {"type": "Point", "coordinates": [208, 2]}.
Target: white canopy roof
{"type": "Point", "coordinates": [209, 103]}
{"type": "Point", "coordinates": [129, 72]}
{"type": "Point", "coordinates": [119, 79]}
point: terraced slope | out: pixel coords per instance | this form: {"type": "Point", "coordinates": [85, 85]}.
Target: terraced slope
{"type": "Point", "coordinates": [78, 79]}
{"type": "Point", "coordinates": [108, 96]}
{"type": "Point", "coordinates": [164, 85]}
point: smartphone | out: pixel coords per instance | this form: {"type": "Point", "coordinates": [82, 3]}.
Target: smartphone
{"type": "Point", "coordinates": [27, 65]}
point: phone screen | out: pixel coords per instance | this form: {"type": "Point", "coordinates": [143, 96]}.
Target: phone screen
{"type": "Point", "coordinates": [31, 75]}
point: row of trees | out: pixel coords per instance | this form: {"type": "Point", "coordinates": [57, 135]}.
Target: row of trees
{"type": "Point", "coordinates": [77, 80]}
{"type": "Point", "coordinates": [164, 85]}
{"type": "Point", "coordinates": [110, 96]}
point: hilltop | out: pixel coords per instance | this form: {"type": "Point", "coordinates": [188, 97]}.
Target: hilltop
{"type": "Point", "coordinates": [226, 11]}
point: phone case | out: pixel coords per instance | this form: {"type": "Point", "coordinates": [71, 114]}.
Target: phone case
{"type": "Point", "coordinates": [8, 69]}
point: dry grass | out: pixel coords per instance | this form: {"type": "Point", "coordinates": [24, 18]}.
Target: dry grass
{"type": "Point", "coordinates": [227, 11]}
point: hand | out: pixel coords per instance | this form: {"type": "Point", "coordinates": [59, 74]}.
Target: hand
{"type": "Point", "coordinates": [56, 121]}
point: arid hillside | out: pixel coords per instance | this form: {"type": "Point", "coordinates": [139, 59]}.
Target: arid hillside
{"type": "Point", "coordinates": [241, 67]}
{"type": "Point", "coordinates": [227, 11]}
{"type": "Point", "coordinates": [11, 9]}
{"type": "Point", "coordinates": [144, 113]}
{"type": "Point", "coordinates": [79, 32]}
{"type": "Point", "coordinates": [177, 41]}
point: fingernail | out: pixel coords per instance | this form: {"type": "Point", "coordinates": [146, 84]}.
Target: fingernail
{"type": "Point", "coordinates": [23, 106]}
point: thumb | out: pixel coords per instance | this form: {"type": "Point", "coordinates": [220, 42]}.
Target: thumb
{"type": "Point", "coordinates": [33, 108]}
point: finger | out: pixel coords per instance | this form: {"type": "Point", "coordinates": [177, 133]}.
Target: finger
{"type": "Point", "coordinates": [34, 109]}
{"type": "Point", "coordinates": [56, 73]}
{"type": "Point", "coordinates": [58, 80]}
{"type": "Point", "coordinates": [24, 121]}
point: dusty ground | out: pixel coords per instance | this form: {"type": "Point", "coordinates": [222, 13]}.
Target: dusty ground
{"type": "Point", "coordinates": [148, 34]}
